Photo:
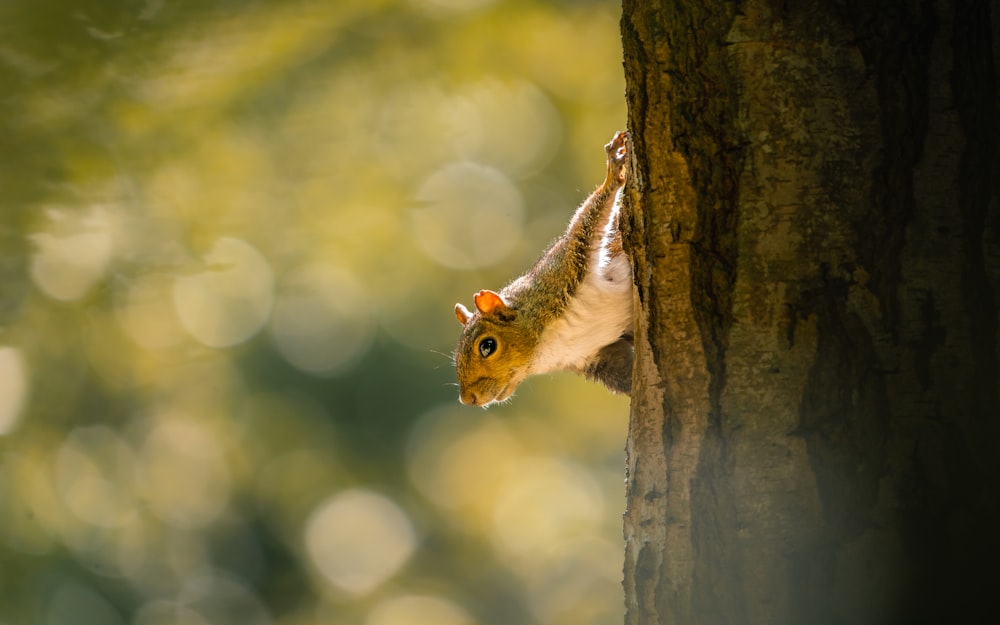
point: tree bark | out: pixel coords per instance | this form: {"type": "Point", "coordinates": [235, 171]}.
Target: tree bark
{"type": "Point", "coordinates": [814, 221]}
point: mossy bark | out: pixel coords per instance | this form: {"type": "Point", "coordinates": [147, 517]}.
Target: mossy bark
{"type": "Point", "coordinates": [814, 222]}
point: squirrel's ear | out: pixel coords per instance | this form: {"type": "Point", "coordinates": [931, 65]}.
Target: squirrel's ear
{"type": "Point", "coordinates": [488, 302]}
{"type": "Point", "coordinates": [463, 314]}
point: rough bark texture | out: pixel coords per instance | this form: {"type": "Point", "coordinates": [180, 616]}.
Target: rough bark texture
{"type": "Point", "coordinates": [814, 219]}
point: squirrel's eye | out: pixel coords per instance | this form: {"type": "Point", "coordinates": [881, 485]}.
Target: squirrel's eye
{"type": "Point", "coordinates": [487, 346]}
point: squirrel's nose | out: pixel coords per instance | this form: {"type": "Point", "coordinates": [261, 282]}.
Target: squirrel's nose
{"type": "Point", "coordinates": [468, 397]}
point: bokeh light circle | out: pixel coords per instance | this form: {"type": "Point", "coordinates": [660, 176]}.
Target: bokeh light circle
{"type": "Point", "coordinates": [467, 215]}
{"type": "Point", "coordinates": [93, 470]}
{"type": "Point", "coordinates": [182, 474]}
{"type": "Point", "coordinates": [542, 503]}
{"type": "Point", "coordinates": [512, 125]}
{"type": "Point", "coordinates": [357, 539]}
{"type": "Point", "coordinates": [458, 463]}
{"type": "Point", "coordinates": [144, 311]}
{"type": "Point", "coordinates": [74, 254]}
{"type": "Point", "coordinates": [230, 299]}
{"type": "Point", "coordinates": [13, 388]}
{"type": "Point", "coordinates": [321, 322]}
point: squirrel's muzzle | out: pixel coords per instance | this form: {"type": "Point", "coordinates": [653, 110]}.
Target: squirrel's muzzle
{"type": "Point", "coordinates": [468, 397]}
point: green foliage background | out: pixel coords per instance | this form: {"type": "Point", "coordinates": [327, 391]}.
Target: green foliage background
{"type": "Point", "coordinates": [232, 236]}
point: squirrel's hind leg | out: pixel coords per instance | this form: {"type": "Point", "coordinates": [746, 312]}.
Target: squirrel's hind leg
{"type": "Point", "coordinates": [617, 150]}
{"type": "Point", "coordinates": [613, 366]}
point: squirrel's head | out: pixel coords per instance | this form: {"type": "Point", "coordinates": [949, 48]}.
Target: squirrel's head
{"type": "Point", "coordinates": [493, 352]}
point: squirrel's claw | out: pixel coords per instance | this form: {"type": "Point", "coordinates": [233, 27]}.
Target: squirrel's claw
{"type": "Point", "coordinates": [617, 150]}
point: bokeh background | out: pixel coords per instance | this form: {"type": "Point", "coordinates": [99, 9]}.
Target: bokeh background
{"type": "Point", "coordinates": [232, 233]}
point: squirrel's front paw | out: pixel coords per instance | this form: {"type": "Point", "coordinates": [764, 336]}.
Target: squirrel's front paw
{"type": "Point", "coordinates": [617, 150]}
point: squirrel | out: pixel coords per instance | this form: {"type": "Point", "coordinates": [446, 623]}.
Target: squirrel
{"type": "Point", "coordinates": [572, 311]}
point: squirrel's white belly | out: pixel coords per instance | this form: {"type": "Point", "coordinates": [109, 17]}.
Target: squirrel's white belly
{"type": "Point", "coordinates": [598, 315]}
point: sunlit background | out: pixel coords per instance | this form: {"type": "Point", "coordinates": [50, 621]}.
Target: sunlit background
{"type": "Point", "coordinates": [232, 233]}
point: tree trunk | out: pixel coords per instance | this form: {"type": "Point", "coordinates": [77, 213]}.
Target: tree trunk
{"type": "Point", "coordinates": [814, 220]}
